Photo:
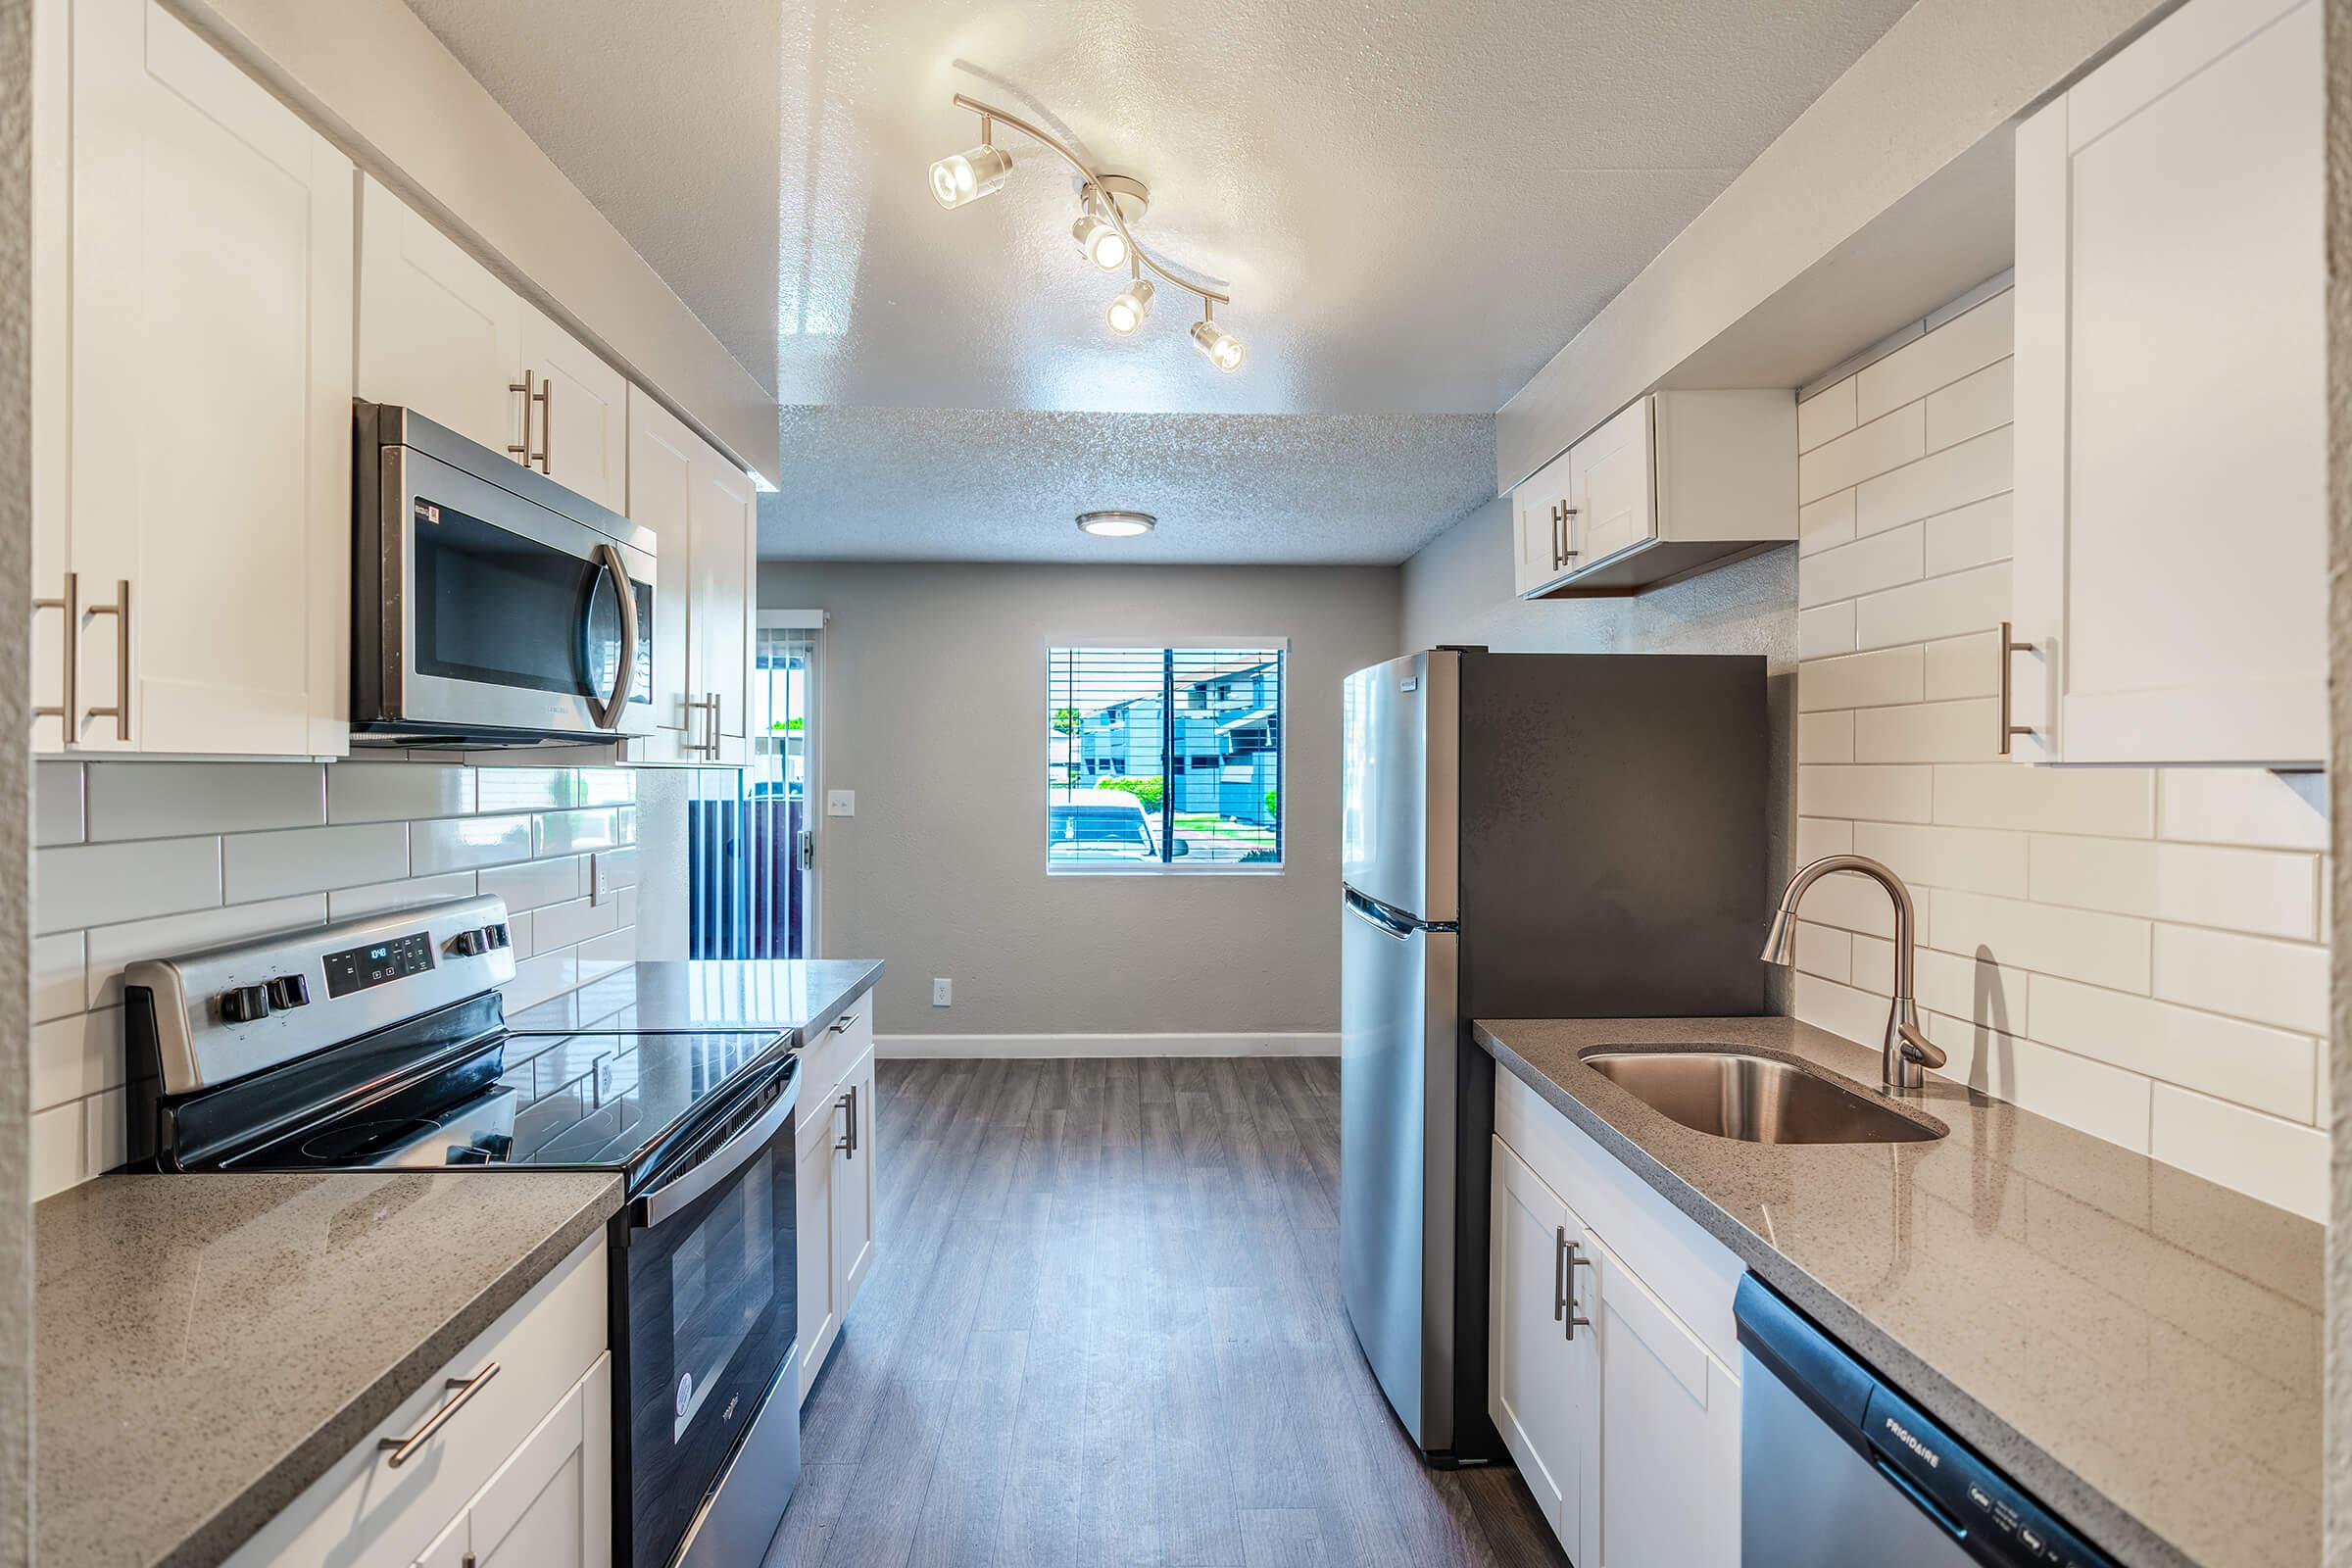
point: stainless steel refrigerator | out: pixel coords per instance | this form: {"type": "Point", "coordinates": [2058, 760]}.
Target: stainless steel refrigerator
{"type": "Point", "coordinates": [1522, 836]}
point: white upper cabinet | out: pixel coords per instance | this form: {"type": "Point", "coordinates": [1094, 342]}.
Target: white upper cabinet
{"type": "Point", "coordinates": [1675, 483]}
{"type": "Point", "coordinates": [700, 507]}
{"type": "Point", "coordinates": [439, 332]}
{"type": "Point", "coordinates": [2171, 400]}
{"type": "Point", "coordinates": [205, 409]}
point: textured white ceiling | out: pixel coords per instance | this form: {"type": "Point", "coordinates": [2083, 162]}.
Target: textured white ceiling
{"type": "Point", "coordinates": [1414, 207]}
{"type": "Point", "coordinates": [976, 484]}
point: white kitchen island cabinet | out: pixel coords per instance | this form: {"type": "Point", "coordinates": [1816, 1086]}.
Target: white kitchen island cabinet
{"type": "Point", "coordinates": [193, 456]}
{"type": "Point", "coordinates": [2170, 410]}
{"type": "Point", "coordinates": [835, 1193]}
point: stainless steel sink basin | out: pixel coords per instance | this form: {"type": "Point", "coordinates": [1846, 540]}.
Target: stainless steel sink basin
{"type": "Point", "coordinates": [1734, 1095]}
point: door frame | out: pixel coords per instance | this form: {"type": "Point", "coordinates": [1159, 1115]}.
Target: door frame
{"type": "Point", "coordinates": [812, 877]}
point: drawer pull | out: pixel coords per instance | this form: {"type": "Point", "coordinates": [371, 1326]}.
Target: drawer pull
{"type": "Point", "coordinates": [843, 1024]}
{"type": "Point", "coordinates": [404, 1448]}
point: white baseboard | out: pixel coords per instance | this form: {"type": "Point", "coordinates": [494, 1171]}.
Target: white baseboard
{"type": "Point", "coordinates": [933, 1047]}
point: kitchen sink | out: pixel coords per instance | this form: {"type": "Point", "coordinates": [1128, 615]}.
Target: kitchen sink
{"type": "Point", "coordinates": [1731, 1093]}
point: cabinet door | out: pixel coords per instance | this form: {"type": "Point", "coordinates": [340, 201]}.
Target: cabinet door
{"type": "Point", "coordinates": [1539, 1378]}
{"type": "Point", "coordinates": [661, 484]}
{"type": "Point", "coordinates": [854, 1186]}
{"type": "Point", "coordinates": [438, 331]}
{"type": "Point", "coordinates": [1669, 1433]}
{"type": "Point", "coordinates": [1610, 481]}
{"type": "Point", "coordinates": [582, 420]}
{"type": "Point", "coordinates": [1542, 528]}
{"type": "Point", "coordinates": [813, 1198]}
{"type": "Point", "coordinates": [2171, 475]}
{"type": "Point", "coordinates": [721, 615]}
{"type": "Point", "coordinates": [211, 402]}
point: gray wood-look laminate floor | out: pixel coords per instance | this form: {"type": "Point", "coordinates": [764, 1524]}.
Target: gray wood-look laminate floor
{"type": "Point", "coordinates": [1105, 1327]}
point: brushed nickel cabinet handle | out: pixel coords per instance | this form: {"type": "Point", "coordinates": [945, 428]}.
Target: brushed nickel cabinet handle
{"type": "Point", "coordinates": [2009, 728]}
{"type": "Point", "coordinates": [404, 1448]}
{"type": "Point", "coordinates": [706, 705]}
{"type": "Point", "coordinates": [529, 387]}
{"type": "Point", "coordinates": [1559, 1272]}
{"type": "Point", "coordinates": [69, 602]}
{"type": "Point", "coordinates": [848, 1143]}
{"type": "Point", "coordinates": [121, 711]}
{"type": "Point", "coordinates": [547, 424]}
{"type": "Point", "coordinates": [1576, 1319]}
{"type": "Point", "coordinates": [842, 1024]}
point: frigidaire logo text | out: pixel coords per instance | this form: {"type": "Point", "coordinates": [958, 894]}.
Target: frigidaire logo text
{"type": "Point", "coordinates": [1912, 1443]}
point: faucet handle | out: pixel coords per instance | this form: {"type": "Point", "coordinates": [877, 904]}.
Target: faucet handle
{"type": "Point", "coordinates": [1918, 1046]}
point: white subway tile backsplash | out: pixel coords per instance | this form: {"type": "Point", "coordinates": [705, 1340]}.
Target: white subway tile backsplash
{"type": "Point", "coordinates": [1857, 1016]}
{"type": "Point", "coordinates": [569, 832]}
{"type": "Point", "coordinates": [620, 867]}
{"type": "Point", "coordinates": [395, 792]}
{"type": "Point", "coordinates": [2103, 1101]}
{"type": "Point", "coordinates": [1928, 732]}
{"type": "Point", "coordinates": [1851, 903]}
{"type": "Point", "coordinates": [1874, 794]}
{"type": "Point", "coordinates": [1824, 950]}
{"type": "Point", "coordinates": [57, 975]}
{"type": "Point", "coordinates": [1970, 988]}
{"type": "Point", "coordinates": [1817, 836]}
{"type": "Point", "coordinates": [2271, 1160]}
{"type": "Point", "coordinates": [468, 842]}
{"type": "Point", "coordinates": [111, 946]}
{"type": "Point", "coordinates": [1965, 859]}
{"type": "Point", "coordinates": [345, 904]}
{"type": "Point", "coordinates": [1883, 444]}
{"type": "Point", "coordinates": [100, 884]}
{"type": "Point", "coordinates": [1958, 348]}
{"type": "Point", "coordinates": [2271, 982]}
{"type": "Point", "coordinates": [1861, 680]}
{"type": "Point", "coordinates": [1825, 415]}
{"type": "Point", "coordinates": [1824, 737]}
{"type": "Point", "coordinates": [2104, 950]}
{"type": "Point", "coordinates": [2258, 891]}
{"type": "Point", "coordinates": [538, 882]}
{"type": "Point", "coordinates": [76, 1056]}
{"type": "Point", "coordinates": [2238, 805]}
{"type": "Point", "coordinates": [2268, 1069]}
{"type": "Point", "coordinates": [526, 789]}
{"type": "Point", "coordinates": [1826, 523]}
{"type": "Point", "coordinates": [1938, 483]}
{"type": "Point", "coordinates": [1971, 406]}
{"type": "Point", "coordinates": [57, 1145]}
{"type": "Point", "coordinates": [2118, 800]}
{"type": "Point", "coordinates": [1963, 667]}
{"type": "Point", "coordinates": [272, 866]}
{"type": "Point", "coordinates": [1974, 535]}
{"type": "Point", "coordinates": [1864, 566]}
{"type": "Point", "coordinates": [57, 805]}
{"type": "Point", "coordinates": [1825, 631]}
{"type": "Point", "coordinates": [564, 925]}
{"type": "Point", "coordinates": [174, 800]}
{"type": "Point", "coordinates": [536, 979]}
{"type": "Point", "coordinates": [1939, 607]}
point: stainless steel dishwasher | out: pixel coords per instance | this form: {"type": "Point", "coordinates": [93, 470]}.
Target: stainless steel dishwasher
{"type": "Point", "coordinates": [1838, 1470]}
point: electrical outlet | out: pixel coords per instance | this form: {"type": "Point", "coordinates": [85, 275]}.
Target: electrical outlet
{"type": "Point", "coordinates": [600, 880]}
{"type": "Point", "coordinates": [943, 993]}
{"type": "Point", "coordinates": [841, 802]}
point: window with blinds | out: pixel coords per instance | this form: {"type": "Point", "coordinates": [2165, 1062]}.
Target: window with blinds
{"type": "Point", "coordinates": [1163, 758]}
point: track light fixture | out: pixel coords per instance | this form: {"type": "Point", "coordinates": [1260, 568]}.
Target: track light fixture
{"type": "Point", "coordinates": [1108, 205]}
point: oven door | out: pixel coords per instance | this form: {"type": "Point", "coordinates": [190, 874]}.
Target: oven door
{"type": "Point", "coordinates": [706, 1320]}
{"type": "Point", "coordinates": [504, 615]}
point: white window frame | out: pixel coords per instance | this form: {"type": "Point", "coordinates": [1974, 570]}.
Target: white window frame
{"type": "Point", "coordinates": [1179, 868]}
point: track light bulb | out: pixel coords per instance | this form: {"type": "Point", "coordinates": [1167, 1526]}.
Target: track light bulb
{"type": "Point", "coordinates": [1133, 304]}
{"type": "Point", "coordinates": [1099, 238]}
{"type": "Point", "coordinates": [1220, 347]}
{"type": "Point", "coordinates": [971, 175]}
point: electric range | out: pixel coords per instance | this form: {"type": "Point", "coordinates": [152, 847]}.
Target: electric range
{"type": "Point", "coordinates": [381, 1042]}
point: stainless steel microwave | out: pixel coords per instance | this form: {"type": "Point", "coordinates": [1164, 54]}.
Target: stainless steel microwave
{"type": "Point", "coordinates": [490, 605]}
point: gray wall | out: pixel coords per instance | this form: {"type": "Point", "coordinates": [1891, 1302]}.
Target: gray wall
{"type": "Point", "coordinates": [15, 855]}
{"type": "Point", "coordinates": [932, 708]}
{"type": "Point", "coordinates": [1458, 590]}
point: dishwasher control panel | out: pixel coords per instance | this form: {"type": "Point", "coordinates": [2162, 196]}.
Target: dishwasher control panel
{"type": "Point", "coordinates": [1974, 1503]}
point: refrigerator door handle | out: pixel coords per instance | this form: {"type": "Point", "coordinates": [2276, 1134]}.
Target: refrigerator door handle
{"type": "Point", "coordinates": [1396, 922]}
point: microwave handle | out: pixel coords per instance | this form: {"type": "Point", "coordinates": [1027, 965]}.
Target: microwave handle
{"type": "Point", "coordinates": [608, 556]}
{"type": "Point", "coordinates": [722, 1162]}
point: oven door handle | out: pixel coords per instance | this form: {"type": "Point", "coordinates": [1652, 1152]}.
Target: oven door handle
{"type": "Point", "coordinates": [706, 1174]}
{"type": "Point", "coordinates": [608, 558]}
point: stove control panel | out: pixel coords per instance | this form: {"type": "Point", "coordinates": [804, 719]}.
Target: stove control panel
{"type": "Point", "coordinates": [224, 1012]}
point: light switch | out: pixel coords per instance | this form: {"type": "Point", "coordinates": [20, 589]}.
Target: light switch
{"type": "Point", "coordinates": [599, 879]}
{"type": "Point", "coordinates": [841, 802]}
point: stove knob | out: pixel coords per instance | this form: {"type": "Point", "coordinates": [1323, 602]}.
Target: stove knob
{"type": "Point", "coordinates": [245, 1004]}
{"type": "Point", "coordinates": [499, 935]}
{"type": "Point", "coordinates": [470, 944]}
{"type": "Point", "coordinates": [290, 991]}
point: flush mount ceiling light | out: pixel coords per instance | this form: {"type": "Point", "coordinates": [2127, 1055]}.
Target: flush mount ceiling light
{"type": "Point", "coordinates": [1117, 524]}
{"type": "Point", "coordinates": [1106, 204]}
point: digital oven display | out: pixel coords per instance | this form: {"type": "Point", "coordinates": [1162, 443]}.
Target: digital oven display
{"type": "Point", "coordinates": [357, 969]}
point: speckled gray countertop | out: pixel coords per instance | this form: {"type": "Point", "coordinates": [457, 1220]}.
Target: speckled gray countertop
{"type": "Point", "coordinates": [205, 1347]}
{"type": "Point", "coordinates": [2137, 1347]}
{"type": "Point", "coordinates": [709, 995]}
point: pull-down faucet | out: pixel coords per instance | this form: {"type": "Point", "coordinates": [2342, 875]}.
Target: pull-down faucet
{"type": "Point", "coordinates": [1905, 1053]}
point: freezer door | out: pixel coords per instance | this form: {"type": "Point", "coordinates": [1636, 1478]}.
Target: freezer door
{"type": "Point", "coordinates": [1397, 1042]}
{"type": "Point", "coordinates": [1400, 732]}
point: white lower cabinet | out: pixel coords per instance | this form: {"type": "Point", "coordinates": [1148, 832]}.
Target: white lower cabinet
{"type": "Point", "coordinates": [1606, 1378]}
{"type": "Point", "coordinates": [516, 1470]}
{"type": "Point", "coordinates": [835, 1191]}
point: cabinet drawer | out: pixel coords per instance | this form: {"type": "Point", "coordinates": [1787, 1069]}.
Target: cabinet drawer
{"type": "Point", "coordinates": [365, 1512]}
{"type": "Point", "coordinates": [829, 1050]}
